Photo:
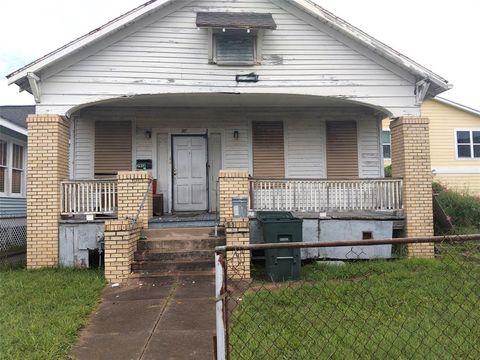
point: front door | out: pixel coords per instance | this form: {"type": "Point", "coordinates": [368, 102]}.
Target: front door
{"type": "Point", "coordinates": [189, 173]}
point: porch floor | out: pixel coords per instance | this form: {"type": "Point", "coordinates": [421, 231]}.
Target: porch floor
{"type": "Point", "coordinates": [182, 220]}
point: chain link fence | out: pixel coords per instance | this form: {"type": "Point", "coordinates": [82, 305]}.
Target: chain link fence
{"type": "Point", "coordinates": [356, 308]}
{"type": "Point", "coordinates": [13, 240]}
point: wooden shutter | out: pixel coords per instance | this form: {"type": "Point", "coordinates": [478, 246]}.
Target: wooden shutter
{"type": "Point", "coordinates": [113, 147]}
{"type": "Point", "coordinates": [268, 151]}
{"type": "Point", "coordinates": [342, 150]}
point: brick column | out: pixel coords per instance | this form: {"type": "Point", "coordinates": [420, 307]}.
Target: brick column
{"type": "Point", "coordinates": [234, 184]}
{"type": "Point", "coordinates": [411, 161]}
{"type": "Point", "coordinates": [47, 165]}
{"type": "Point", "coordinates": [132, 186]}
{"type": "Point", "coordinates": [120, 244]}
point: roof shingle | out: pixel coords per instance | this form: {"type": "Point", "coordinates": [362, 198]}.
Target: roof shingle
{"type": "Point", "coordinates": [236, 20]}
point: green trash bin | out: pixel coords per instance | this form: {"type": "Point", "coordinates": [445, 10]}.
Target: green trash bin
{"type": "Point", "coordinates": [281, 227]}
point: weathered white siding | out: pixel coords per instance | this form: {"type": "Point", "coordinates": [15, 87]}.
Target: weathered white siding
{"type": "Point", "coordinates": [169, 55]}
{"type": "Point", "coordinates": [83, 148]}
{"type": "Point", "coordinates": [369, 150]}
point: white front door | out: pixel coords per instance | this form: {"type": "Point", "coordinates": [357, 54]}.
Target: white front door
{"type": "Point", "coordinates": [189, 173]}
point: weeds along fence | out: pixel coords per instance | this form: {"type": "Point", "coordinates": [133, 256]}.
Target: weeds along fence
{"type": "Point", "coordinates": [13, 239]}
{"type": "Point", "coordinates": [357, 308]}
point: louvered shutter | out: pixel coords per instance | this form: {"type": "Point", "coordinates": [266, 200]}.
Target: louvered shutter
{"type": "Point", "coordinates": [113, 147]}
{"type": "Point", "coordinates": [342, 150]}
{"type": "Point", "coordinates": [268, 150]}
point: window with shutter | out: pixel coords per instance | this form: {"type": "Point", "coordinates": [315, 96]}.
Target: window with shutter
{"type": "Point", "coordinates": [342, 150]}
{"type": "Point", "coordinates": [113, 147]}
{"type": "Point", "coordinates": [268, 149]}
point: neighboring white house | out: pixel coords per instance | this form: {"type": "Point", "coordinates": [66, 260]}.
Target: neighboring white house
{"type": "Point", "coordinates": [13, 159]}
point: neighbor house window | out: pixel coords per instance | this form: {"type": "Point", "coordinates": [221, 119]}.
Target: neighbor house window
{"type": "Point", "coordinates": [468, 144]}
{"type": "Point", "coordinates": [386, 144]}
{"type": "Point", "coordinates": [235, 47]}
{"type": "Point", "coordinates": [12, 168]}
{"type": "Point", "coordinates": [17, 169]}
{"type": "Point", "coordinates": [3, 166]}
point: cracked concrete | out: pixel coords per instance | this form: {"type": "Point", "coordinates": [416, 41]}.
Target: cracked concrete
{"type": "Point", "coordinates": [166, 317]}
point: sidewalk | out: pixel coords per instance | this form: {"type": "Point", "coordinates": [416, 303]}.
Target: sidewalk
{"type": "Point", "coordinates": [152, 318]}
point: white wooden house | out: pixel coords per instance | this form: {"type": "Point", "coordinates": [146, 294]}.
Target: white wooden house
{"type": "Point", "coordinates": [281, 88]}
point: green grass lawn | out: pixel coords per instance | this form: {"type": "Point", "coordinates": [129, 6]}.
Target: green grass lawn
{"type": "Point", "coordinates": [42, 311]}
{"type": "Point", "coordinates": [405, 309]}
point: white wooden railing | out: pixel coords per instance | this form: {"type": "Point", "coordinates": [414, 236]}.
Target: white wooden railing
{"type": "Point", "coordinates": [80, 197]}
{"type": "Point", "coordinates": [312, 195]}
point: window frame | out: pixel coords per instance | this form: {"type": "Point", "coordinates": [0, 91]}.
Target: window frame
{"type": "Point", "coordinates": [384, 144]}
{"type": "Point", "coordinates": [471, 144]}
{"type": "Point", "coordinates": [6, 183]}
{"type": "Point", "coordinates": [257, 35]}
{"type": "Point", "coordinates": [10, 141]}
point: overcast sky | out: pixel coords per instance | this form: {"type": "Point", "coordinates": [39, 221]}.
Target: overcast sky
{"type": "Point", "coordinates": [443, 35]}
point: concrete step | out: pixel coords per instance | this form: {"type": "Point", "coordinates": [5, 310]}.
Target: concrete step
{"type": "Point", "coordinates": [181, 245]}
{"type": "Point", "coordinates": [187, 255]}
{"type": "Point", "coordinates": [171, 266]}
{"type": "Point", "coordinates": [183, 233]}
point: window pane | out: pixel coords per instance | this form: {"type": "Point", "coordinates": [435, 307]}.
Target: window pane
{"type": "Point", "coordinates": [17, 157]}
{"type": "Point", "coordinates": [3, 153]}
{"type": "Point", "coordinates": [16, 181]}
{"type": "Point", "coordinates": [476, 137]}
{"type": "Point", "coordinates": [386, 152]}
{"type": "Point", "coordinates": [386, 137]}
{"type": "Point", "coordinates": [464, 151]}
{"type": "Point", "coordinates": [463, 137]}
{"type": "Point", "coordinates": [235, 48]}
{"type": "Point", "coordinates": [2, 179]}
{"type": "Point", "coordinates": [476, 151]}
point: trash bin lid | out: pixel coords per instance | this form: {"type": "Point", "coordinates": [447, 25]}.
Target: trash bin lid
{"type": "Point", "coordinates": [272, 216]}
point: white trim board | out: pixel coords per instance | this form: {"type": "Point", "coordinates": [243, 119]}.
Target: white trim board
{"type": "Point", "coordinates": [455, 170]}
{"type": "Point", "coordinates": [13, 127]}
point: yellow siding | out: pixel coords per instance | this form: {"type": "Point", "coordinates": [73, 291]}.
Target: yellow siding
{"type": "Point", "coordinates": [444, 119]}
{"type": "Point", "coordinates": [462, 182]}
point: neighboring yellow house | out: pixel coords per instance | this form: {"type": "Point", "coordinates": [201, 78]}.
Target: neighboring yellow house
{"type": "Point", "coordinates": [454, 144]}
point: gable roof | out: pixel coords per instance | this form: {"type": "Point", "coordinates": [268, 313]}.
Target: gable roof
{"type": "Point", "coordinates": [457, 105]}
{"type": "Point", "coordinates": [19, 76]}
{"type": "Point", "coordinates": [17, 114]}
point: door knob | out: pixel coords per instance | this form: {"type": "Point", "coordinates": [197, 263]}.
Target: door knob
{"type": "Point", "coordinates": [174, 172]}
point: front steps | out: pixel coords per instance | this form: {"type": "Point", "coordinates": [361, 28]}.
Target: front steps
{"type": "Point", "coordinates": [176, 251]}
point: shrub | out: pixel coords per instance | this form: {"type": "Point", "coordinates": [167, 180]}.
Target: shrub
{"type": "Point", "coordinates": [463, 209]}
{"type": "Point", "coordinates": [388, 171]}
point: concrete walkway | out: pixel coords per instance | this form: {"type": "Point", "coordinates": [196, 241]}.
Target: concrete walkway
{"type": "Point", "coordinates": [152, 318]}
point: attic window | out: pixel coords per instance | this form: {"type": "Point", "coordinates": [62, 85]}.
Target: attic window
{"type": "Point", "coordinates": [235, 38]}
{"type": "Point", "coordinates": [234, 47]}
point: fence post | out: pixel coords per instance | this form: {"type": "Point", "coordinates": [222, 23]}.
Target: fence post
{"type": "Point", "coordinates": [219, 307]}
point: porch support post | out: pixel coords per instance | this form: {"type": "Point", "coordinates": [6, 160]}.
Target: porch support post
{"type": "Point", "coordinates": [411, 161]}
{"type": "Point", "coordinates": [47, 166]}
{"type": "Point", "coordinates": [135, 196]}
{"type": "Point", "coordinates": [234, 184]}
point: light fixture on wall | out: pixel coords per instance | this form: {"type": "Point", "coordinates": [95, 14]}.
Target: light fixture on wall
{"type": "Point", "coordinates": [148, 134]}
{"type": "Point", "coordinates": [236, 134]}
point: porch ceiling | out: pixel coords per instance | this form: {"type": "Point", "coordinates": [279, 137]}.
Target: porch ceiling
{"type": "Point", "coordinates": [229, 100]}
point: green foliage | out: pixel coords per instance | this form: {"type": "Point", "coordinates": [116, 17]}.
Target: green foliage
{"type": "Point", "coordinates": [42, 311]}
{"type": "Point", "coordinates": [463, 209]}
{"type": "Point", "coordinates": [437, 187]}
{"type": "Point", "coordinates": [388, 171]}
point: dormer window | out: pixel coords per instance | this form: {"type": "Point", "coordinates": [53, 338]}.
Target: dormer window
{"type": "Point", "coordinates": [235, 38]}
